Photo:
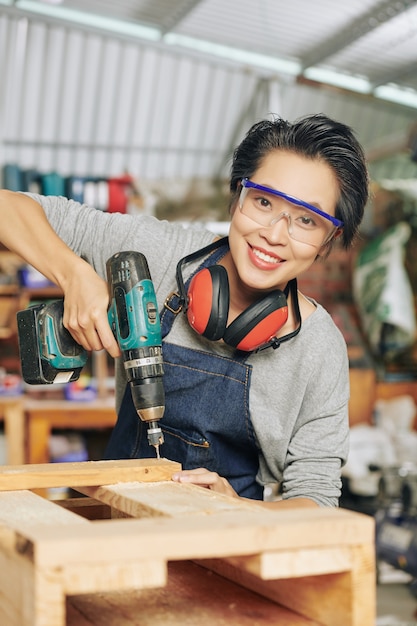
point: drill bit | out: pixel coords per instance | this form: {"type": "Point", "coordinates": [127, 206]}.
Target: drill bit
{"type": "Point", "coordinates": [155, 436]}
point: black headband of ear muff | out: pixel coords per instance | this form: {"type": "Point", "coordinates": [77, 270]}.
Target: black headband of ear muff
{"type": "Point", "coordinates": [188, 259]}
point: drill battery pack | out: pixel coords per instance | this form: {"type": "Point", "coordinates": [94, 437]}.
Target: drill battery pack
{"type": "Point", "coordinates": [48, 352]}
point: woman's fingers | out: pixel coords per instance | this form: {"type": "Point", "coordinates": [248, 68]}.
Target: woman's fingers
{"type": "Point", "coordinates": [204, 478]}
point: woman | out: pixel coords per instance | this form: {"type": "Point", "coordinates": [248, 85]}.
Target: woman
{"type": "Point", "coordinates": [240, 414]}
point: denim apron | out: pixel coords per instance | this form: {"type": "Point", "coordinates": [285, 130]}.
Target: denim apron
{"type": "Point", "coordinates": [206, 421]}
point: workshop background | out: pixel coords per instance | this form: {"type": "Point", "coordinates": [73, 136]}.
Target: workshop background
{"type": "Point", "coordinates": [136, 106]}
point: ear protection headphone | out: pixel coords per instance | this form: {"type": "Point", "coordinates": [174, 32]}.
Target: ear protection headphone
{"type": "Point", "coordinates": [206, 304]}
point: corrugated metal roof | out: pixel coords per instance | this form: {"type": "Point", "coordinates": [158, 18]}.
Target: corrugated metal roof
{"type": "Point", "coordinates": [372, 39]}
{"type": "Point", "coordinates": [88, 99]}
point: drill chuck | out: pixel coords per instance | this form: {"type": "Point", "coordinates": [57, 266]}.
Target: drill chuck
{"type": "Point", "coordinates": [149, 400]}
{"type": "Point", "coordinates": [155, 436]}
{"type": "Point", "coordinates": [144, 370]}
{"type": "Point", "coordinates": [144, 363]}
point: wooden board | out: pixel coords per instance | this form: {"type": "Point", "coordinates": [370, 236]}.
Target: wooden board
{"type": "Point", "coordinates": [45, 475]}
{"type": "Point", "coordinates": [166, 499]}
{"type": "Point", "coordinates": [193, 596]}
{"type": "Point", "coordinates": [233, 532]}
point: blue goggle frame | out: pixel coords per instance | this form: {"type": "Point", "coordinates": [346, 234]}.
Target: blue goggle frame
{"type": "Point", "coordinates": [248, 183]}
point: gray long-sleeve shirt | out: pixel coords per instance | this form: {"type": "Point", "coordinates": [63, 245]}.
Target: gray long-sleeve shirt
{"type": "Point", "coordinates": [299, 393]}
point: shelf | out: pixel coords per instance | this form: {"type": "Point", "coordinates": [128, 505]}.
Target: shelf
{"type": "Point", "coordinates": [14, 298]}
{"type": "Point", "coordinates": [9, 290]}
{"type": "Point", "coordinates": [30, 294]}
{"type": "Point", "coordinates": [6, 333]}
{"type": "Point", "coordinates": [41, 292]}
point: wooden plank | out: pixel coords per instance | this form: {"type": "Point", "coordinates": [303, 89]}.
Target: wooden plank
{"type": "Point", "coordinates": [115, 576]}
{"type": "Point", "coordinates": [279, 564]}
{"type": "Point", "coordinates": [13, 571]}
{"type": "Point", "coordinates": [342, 599]}
{"type": "Point", "coordinates": [166, 499]}
{"type": "Point", "coordinates": [29, 597]}
{"type": "Point", "coordinates": [192, 596]}
{"type": "Point", "coordinates": [362, 592]}
{"type": "Point", "coordinates": [46, 475]}
{"type": "Point", "coordinates": [231, 533]}
{"type": "Point", "coordinates": [22, 509]}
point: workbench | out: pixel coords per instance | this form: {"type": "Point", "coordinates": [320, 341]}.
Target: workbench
{"type": "Point", "coordinates": [29, 423]}
{"type": "Point", "coordinates": [138, 549]}
{"type": "Point", "coordinates": [12, 413]}
{"type": "Point", "coordinates": [42, 416]}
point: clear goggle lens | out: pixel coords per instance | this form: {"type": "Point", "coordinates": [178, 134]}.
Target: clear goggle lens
{"type": "Point", "coordinates": [304, 225]}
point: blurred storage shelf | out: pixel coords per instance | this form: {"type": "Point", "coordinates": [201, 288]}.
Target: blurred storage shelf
{"type": "Point", "coordinates": [9, 295]}
{"type": "Point", "coordinates": [13, 298]}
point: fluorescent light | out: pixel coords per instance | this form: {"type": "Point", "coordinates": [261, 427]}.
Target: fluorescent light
{"type": "Point", "coordinates": [331, 77]}
{"type": "Point", "coordinates": [399, 96]}
{"type": "Point", "coordinates": [234, 54]}
{"type": "Point", "coordinates": [89, 19]}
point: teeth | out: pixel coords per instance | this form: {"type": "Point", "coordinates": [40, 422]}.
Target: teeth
{"type": "Point", "coordinates": [264, 257]}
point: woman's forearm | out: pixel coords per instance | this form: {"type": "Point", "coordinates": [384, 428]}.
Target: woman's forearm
{"type": "Point", "coordinates": [26, 231]}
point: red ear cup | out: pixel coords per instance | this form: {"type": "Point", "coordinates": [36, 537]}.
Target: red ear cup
{"type": "Point", "coordinates": [208, 302]}
{"type": "Point", "coordinates": [259, 323]}
{"type": "Point", "coordinates": [208, 309]}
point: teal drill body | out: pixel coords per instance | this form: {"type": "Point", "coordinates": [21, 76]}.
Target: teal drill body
{"type": "Point", "coordinates": [134, 318]}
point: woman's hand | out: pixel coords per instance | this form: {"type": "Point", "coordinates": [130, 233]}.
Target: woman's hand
{"type": "Point", "coordinates": [85, 310]}
{"type": "Point", "coordinates": [204, 478]}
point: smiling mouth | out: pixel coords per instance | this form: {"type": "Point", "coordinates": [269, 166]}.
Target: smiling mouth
{"type": "Point", "coordinates": [266, 257]}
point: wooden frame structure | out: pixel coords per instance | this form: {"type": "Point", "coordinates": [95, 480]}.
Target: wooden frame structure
{"type": "Point", "coordinates": [140, 544]}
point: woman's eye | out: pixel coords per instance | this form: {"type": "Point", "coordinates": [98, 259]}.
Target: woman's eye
{"type": "Point", "coordinates": [263, 202]}
{"type": "Point", "coordinates": [307, 220]}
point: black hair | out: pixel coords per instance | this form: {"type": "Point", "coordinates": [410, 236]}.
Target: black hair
{"type": "Point", "coordinates": [317, 137]}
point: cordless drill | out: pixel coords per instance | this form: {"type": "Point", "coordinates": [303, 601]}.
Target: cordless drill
{"type": "Point", "coordinates": [134, 319]}
{"type": "Point", "coordinates": [49, 354]}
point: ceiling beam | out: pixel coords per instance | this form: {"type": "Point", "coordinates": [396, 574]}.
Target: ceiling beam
{"type": "Point", "coordinates": [394, 75]}
{"type": "Point", "coordinates": [179, 12]}
{"type": "Point", "coordinates": [383, 12]}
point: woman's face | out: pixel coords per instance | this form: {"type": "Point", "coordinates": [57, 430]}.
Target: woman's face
{"type": "Point", "coordinates": [267, 257]}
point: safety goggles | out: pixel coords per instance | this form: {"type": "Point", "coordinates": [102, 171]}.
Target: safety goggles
{"type": "Point", "coordinates": [306, 223]}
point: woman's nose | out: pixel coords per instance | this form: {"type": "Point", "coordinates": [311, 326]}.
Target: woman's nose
{"type": "Point", "coordinates": [279, 227]}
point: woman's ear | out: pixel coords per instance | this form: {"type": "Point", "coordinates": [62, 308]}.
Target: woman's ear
{"type": "Point", "coordinates": [233, 205]}
{"type": "Point", "coordinates": [327, 247]}
{"type": "Point", "coordinates": [234, 200]}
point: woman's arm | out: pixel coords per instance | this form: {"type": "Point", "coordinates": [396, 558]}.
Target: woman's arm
{"type": "Point", "coordinates": [26, 231]}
